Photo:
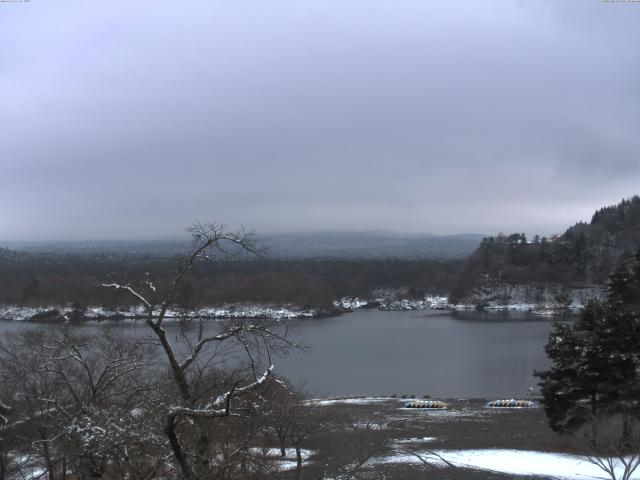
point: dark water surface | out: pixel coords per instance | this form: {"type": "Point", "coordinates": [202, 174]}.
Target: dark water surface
{"type": "Point", "coordinates": [439, 353]}
{"type": "Point", "coordinates": [422, 352]}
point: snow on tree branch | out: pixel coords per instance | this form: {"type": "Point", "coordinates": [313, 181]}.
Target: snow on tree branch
{"type": "Point", "coordinates": [4, 410]}
{"type": "Point", "coordinates": [127, 288]}
{"type": "Point", "coordinates": [220, 406]}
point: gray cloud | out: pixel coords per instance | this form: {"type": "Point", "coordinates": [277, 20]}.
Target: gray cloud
{"type": "Point", "coordinates": [131, 121]}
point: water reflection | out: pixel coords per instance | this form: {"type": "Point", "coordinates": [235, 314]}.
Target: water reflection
{"type": "Point", "coordinates": [505, 316]}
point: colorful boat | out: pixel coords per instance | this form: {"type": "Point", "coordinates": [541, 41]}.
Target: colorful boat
{"type": "Point", "coordinates": [512, 403]}
{"type": "Point", "coordinates": [434, 404]}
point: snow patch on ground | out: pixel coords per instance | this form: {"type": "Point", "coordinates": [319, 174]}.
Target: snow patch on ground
{"type": "Point", "coordinates": [442, 412]}
{"type": "Point", "coordinates": [288, 462]}
{"type": "Point", "coordinates": [349, 401]}
{"type": "Point", "coordinates": [515, 462]}
{"type": "Point", "coordinates": [28, 468]}
{"type": "Point", "coordinates": [403, 441]}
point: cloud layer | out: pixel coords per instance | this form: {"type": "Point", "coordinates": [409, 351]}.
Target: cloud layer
{"type": "Point", "coordinates": [130, 121]}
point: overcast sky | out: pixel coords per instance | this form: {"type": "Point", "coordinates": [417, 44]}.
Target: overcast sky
{"type": "Point", "coordinates": [123, 119]}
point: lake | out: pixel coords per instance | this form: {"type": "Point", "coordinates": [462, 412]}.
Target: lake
{"type": "Point", "coordinates": [441, 353]}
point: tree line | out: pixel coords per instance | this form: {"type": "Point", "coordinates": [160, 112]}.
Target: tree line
{"type": "Point", "coordinates": [586, 253]}
{"type": "Point", "coordinates": [41, 279]}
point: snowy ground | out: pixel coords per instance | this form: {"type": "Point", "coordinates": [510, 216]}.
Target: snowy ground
{"type": "Point", "coordinates": [412, 441]}
{"type": "Point", "coordinates": [351, 401]}
{"type": "Point", "coordinates": [468, 441]}
{"type": "Point", "coordinates": [515, 462]}
{"type": "Point", "coordinates": [479, 442]}
{"type": "Point", "coordinates": [288, 462]}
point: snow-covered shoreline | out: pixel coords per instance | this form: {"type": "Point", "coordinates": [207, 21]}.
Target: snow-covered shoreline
{"type": "Point", "coordinates": [429, 302]}
{"type": "Point", "coordinates": [541, 299]}
{"type": "Point", "coordinates": [436, 302]}
{"type": "Point", "coordinates": [58, 314]}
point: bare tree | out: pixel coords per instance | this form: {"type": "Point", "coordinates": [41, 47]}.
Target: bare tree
{"type": "Point", "coordinates": [5, 411]}
{"type": "Point", "coordinates": [612, 443]}
{"type": "Point", "coordinates": [292, 421]}
{"type": "Point", "coordinates": [189, 400]}
{"type": "Point", "coordinates": [189, 416]}
{"type": "Point", "coordinates": [339, 441]}
{"type": "Point", "coordinates": [359, 440]}
{"type": "Point", "coordinates": [61, 383]}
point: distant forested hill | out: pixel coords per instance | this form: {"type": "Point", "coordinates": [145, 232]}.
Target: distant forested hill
{"type": "Point", "coordinates": [586, 253]}
{"type": "Point", "coordinates": [54, 278]}
{"type": "Point", "coordinates": [306, 269]}
{"type": "Point", "coordinates": [371, 245]}
{"type": "Point", "coordinates": [326, 245]}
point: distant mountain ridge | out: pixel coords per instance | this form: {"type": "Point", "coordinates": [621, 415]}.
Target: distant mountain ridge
{"type": "Point", "coordinates": [371, 245]}
{"type": "Point", "coordinates": [337, 245]}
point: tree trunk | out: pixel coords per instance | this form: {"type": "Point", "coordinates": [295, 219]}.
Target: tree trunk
{"type": "Point", "coordinates": [3, 465]}
{"type": "Point", "coordinates": [45, 452]}
{"type": "Point", "coordinates": [298, 462]}
{"type": "Point", "coordinates": [282, 438]}
{"type": "Point", "coordinates": [626, 429]}
{"type": "Point", "coordinates": [594, 429]}
{"type": "Point", "coordinates": [203, 452]}
{"type": "Point", "coordinates": [170, 431]}
{"type": "Point", "coordinates": [178, 373]}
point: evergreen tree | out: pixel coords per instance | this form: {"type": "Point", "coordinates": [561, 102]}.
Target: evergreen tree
{"type": "Point", "coordinates": [624, 289]}
{"type": "Point", "coordinates": [596, 361]}
{"type": "Point", "coordinates": [572, 388]}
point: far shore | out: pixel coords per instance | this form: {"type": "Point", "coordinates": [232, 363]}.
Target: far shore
{"type": "Point", "coordinates": [70, 314]}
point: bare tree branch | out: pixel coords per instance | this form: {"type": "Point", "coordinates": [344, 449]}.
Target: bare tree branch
{"type": "Point", "coordinates": [130, 290]}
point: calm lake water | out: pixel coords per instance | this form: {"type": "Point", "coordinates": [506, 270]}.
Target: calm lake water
{"type": "Point", "coordinates": [440, 353]}
{"type": "Point", "coordinates": [443, 354]}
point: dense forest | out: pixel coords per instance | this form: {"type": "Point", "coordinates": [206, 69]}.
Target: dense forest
{"type": "Point", "coordinates": [38, 279]}
{"type": "Point", "coordinates": [586, 253]}
{"type": "Point", "coordinates": [306, 245]}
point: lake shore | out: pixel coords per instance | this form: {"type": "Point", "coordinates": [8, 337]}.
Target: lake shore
{"type": "Point", "coordinates": [66, 313]}
{"type": "Point", "coordinates": [481, 443]}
